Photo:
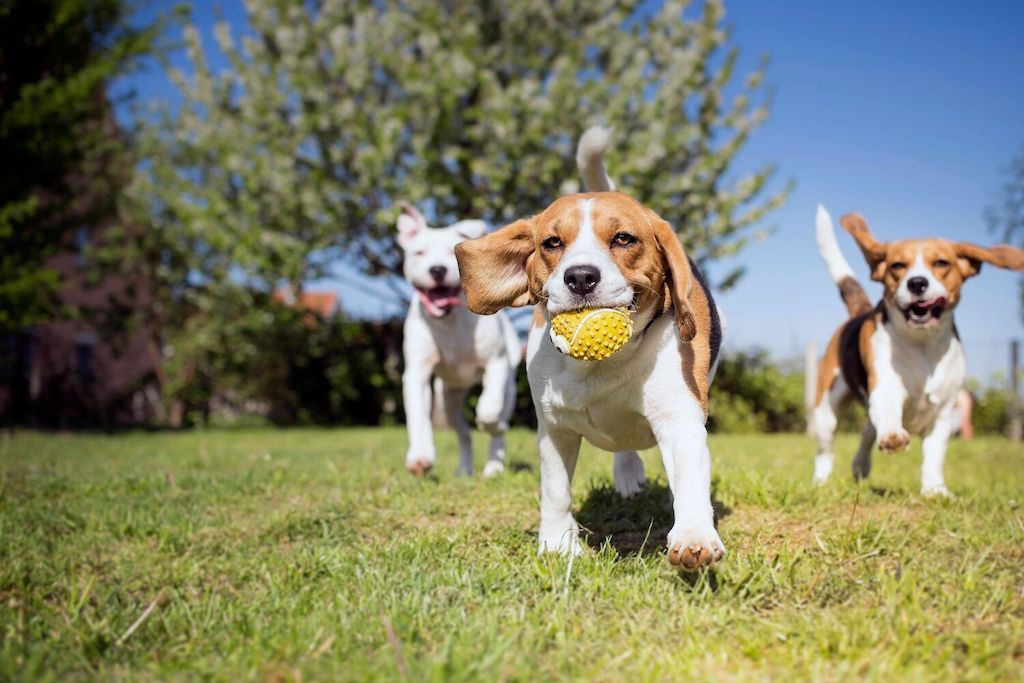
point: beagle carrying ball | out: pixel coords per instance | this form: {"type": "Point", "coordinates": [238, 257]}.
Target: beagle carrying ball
{"type": "Point", "coordinates": [612, 284]}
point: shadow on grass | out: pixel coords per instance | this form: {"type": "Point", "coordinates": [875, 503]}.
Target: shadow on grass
{"type": "Point", "coordinates": [888, 491]}
{"type": "Point", "coordinates": [520, 466]}
{"type": "Point", "coordinates": [633, 526]}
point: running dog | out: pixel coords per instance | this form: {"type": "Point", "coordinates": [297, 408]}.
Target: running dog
{"type": "Point", "coordinates": [605, 249]}
{"type": "Point", "coordinates": [902, 358]}
{"type": "Point", "coordinates": [458, 348]}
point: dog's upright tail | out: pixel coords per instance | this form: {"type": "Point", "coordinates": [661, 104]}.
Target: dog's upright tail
{"type": "Point", "coordinates": [590, 159]}
{"type": "Point", "coordinates": [854, 296]}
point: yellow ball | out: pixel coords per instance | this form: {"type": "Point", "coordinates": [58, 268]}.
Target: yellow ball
{"type": "Point", "coordinates": [591, 334]}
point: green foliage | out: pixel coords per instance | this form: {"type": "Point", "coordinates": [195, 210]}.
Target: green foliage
{"type": "Point", "coordinates": [57, 140]}
{"type": "Point", "coordinates": [752, 394]}
{"type": "Point", "coordinates": [250, 354]}
{"type": "Point", "coordinates": [991, 407]}
{"type": "Point", "coordinates": [312, 555]}
{"type": "Point", "coordinates": [331, 113]}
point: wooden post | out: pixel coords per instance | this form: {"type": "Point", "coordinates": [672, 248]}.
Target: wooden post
{"type": "Point", "coordinates": [810, 381]}
{"type": "Point", "coordinates": [1015, 421]}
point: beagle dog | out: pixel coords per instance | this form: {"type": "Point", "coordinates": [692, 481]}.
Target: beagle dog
{"type": "Point", "coordinates": [901, 357]}
{"type": "Point", "coordinates": [605, 249]}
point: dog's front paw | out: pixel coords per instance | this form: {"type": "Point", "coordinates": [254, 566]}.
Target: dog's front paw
{"type": "Point", "coordinates": [693, 549]}
{"type": "Point", "coordinates": [493, 468]}
{"type": "Point", "coordinates": [562, 541]}
{"type": "Point", "coordinates": [894, 442]}
{"type": "Point", "coordinates": [419, 460]}
{"type": "Point", "coordinates": [936, 491]}
{"type": "Point", "coordinates": [419, 466]}
{"type": "Point", "coordinates": [493, 426]}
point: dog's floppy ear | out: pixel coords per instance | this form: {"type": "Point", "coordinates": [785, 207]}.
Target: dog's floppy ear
{"type": "Point", "coordinates": [470, 229]}
{"type": "Point", "coordinates": [410, 223]}
{"type": "Point", "coordinates": [678, 276]}
{"type": "Point", "coordinates": [970, 257]}
{"type": "Point", "coordinates": [873, 250]}
{"type": "Point", "coordinates": [495, 268]}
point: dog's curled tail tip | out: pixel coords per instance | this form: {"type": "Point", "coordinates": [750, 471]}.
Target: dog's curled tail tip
{"type": "Point", "coordinates": [590, 159]}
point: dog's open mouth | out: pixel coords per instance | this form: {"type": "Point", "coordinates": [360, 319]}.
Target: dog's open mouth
{"type": "Point", "coordinates": [925, 313]}
{"type": "Point", "coordinates": [439, 301]}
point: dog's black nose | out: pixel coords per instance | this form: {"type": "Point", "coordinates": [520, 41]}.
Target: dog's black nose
{"type": "Point", "coordinates": [582, 279]}
{"type": "Point", "coordinates": [917, 285]}
{"type": "Point", "coordinates": [438, 273]}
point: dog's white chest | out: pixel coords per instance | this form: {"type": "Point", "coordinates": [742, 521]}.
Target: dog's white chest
{"type": "Point", "coordinates": [609, 402]}
{"type": "Point", "coordinates": [930, 376]}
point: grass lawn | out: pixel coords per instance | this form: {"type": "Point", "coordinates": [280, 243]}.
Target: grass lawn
{"type": "Point", "coordinates": [312, 555]}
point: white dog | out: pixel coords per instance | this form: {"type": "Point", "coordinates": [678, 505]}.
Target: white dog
{"type": "Point", "coordinates": [902, 358]}
{"type": "Point", "coordinates": [457, 347]}
{"type": "Point", "coordinates": [605, 249]}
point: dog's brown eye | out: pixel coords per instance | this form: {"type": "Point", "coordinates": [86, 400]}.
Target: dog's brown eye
{"type": "Point", "coordinates": [623, 239]}
{"type": "Point", "coordinates": [898, 266]}
{"type": "Point", "coordinates": [552, 243]}
{"type": "Point", "coordinates": [941, 263]}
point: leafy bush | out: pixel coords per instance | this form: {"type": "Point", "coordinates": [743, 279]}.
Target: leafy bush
{"type": "Point", "coordinates": [752, 394]}
{"type": "Point", "coordinates": [991, 408]}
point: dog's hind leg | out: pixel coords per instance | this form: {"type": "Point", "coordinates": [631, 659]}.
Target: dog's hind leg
{"type": "Point", "coordinates": [825, 421]}
{"type": "Point", "coordinates": [862, 461]}
{"type": "Point", "coordinates": [628, 469]}
{"type": "Point", "coordinates": [496, 455]}
{"type": "Point", "coordinates": [453, 400]}
{"type": "Point", "coordinates": [491, 409]}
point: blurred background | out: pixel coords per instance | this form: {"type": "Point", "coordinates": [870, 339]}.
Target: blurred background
{"type": "Point", "coordinates": [197, 201]}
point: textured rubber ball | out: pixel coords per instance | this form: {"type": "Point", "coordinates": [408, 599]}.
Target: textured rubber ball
{"type": "Point", "coordinates": [592, 333]}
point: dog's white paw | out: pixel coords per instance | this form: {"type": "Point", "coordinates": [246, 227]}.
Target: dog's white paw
{"type": "Point", "coordinates": [895, 441]}
{"type": "Point", "coordinates": [630, 478]}
{"type": "Point", "coordinates": [493, 468]}
{"type": "Point", "coordinates": [822, 468]}
{"type": "Point", "coordinates": [563, 541]}
{"type": "Point", "coordinates": [494, 427]}
{"type": "Point", "coordinates": [419, 466]}
{"type": "Point", "coordinates": [691, 548]}
{"type": "Point", "coordinates": [936, 491]}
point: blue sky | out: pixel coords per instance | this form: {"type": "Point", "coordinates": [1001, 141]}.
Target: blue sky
{"type": "Point", "coordinates": [904, 111]}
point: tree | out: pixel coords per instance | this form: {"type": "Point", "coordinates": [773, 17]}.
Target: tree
{"type": "Point", "coordinates": [332, 112]}
{"type": "Point", "coordinates": [1006, 217]}
{"type": "Point", "coordinates": [57, 138]}
{"type": "Point", "coordinates": [329, 113]}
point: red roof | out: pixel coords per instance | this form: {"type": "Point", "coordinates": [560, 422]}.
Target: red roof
{"type": "Point", "coordinates": [323, 304]}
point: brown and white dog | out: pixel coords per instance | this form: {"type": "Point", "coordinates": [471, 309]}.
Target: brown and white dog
{"type": "Point", "coordinates": [605, 249]}
{"type": "Point", "coordinates": [901, 357]}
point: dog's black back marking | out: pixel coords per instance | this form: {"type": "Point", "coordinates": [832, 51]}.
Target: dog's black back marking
{"type": "Point", "coordinates": [851, 363]}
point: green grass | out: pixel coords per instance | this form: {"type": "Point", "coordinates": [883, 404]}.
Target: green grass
{"type": "Point", "coordinates": [287, 555]}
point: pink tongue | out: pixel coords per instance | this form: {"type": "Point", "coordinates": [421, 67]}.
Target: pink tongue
{"type": "Point", "coordinates": [440, 301]}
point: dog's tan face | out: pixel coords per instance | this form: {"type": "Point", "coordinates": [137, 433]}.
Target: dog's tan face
{"type": "Point", "coordinates": [923, 278]}
{"type": "Point", "coordinates": [584, 251]}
